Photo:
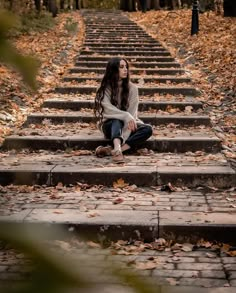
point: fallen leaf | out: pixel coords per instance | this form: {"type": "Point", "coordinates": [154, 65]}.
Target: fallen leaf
{"type": "Point", "coordinates": [93, 244]}
{"type": "Point", "coordinates": [172, 281]}
{"type": "Point", "coordinates": [187, 247]}
{"type": "Point", "coordinates": [168, 187]}
{"type": "Point", "coordinates": [118, 200]}
{"type": "Point", "coordinates": [64, 245]}
{"type": "Point", "coordinates": [59, 186]}
{"type": "Point", "coordinates": [232, 253]}
{"type": "Point", "coordinates": [210, 255]}
{"type": "Point", "coordinates": [58, 212]}
{"type": "Point", "coordinates": [149, 265]}
{"type": "Point", "coordinates": [92, 215]}
{"type": "Point", "coordinates": [188, 109]}
{"type": "Point", "coordinates": [161, 241]}
{"type": "Point", "coordinates": [232, 205]}
{"type": "Point", "coordinates": [120, 183]}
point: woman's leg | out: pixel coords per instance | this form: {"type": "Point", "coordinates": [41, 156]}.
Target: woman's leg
{"type": "Point", "coordinates": [143, 132]}
{"type": "Point", "coordinates": [112, 130]}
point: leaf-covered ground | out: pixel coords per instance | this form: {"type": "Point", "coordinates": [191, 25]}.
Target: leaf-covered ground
{"type": "Point", "coordinates": [210, 56]}
{"type": "Point", "coordinates": [55, 49]}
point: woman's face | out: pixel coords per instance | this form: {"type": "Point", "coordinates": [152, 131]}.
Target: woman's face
{"type": "Point", "coordinates": [123, 70]}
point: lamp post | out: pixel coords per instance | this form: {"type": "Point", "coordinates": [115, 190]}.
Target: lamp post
{"type": "Point", "coordinates": [195, 18]}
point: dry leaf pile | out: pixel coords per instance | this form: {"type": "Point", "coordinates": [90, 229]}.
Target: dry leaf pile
{"type": "Point", "coordinates": [55, 50]}
{"type": "Point", "coordinates": [210, 58]}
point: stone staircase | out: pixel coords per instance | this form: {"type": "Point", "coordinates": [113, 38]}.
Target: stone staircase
{"type": "Point", "coordinates": [185, 150]}
{"type": "Point", "coordinates": [54, 151]}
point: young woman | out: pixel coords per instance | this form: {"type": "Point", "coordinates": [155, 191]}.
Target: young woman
{"type": "Point", "coordinates": [116, 107]}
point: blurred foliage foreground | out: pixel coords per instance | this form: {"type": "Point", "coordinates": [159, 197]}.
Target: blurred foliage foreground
{"type": "Point", "coordinates": [54, 271]}
{"type": "Point", "coordinates": [26, 65]}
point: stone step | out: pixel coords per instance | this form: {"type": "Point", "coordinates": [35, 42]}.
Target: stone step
{"type": "Point", "coordinates": [153, 119]}
{"type": "Point", "coordinates": [136, 65]}
{"type": "Point", "coordinates": [114, 29]}
{"type": "Point", "coordinates": [157, 169]}
{"type": "Point", "coordinates": [117, 34]}
{"type": "Point", "coordinates": [186, 91]}
{"type": "Point", "coordinates": [140, 37]}
{"type": "Point", "coordinates": [124, 44]}
{"type": "Point", "coordinates": [104, 25]}
{"type": "Point", "coordinates": [132, 221]}
{"type": "Point", "coordinates": [135, 80]}
{"type": "Point", "coordinates": [126, 53]}
{"type": "Point", "coordinates": [153, 213]}
{"type": "Point", "coordinates": [143, 71]}
{"type": "Point", "coordinates": [130, 58]}
{"type": "Point", "coordinates": [161, 144]}
{"type": "Point", "coordinates": [143, 105]}
{"type": "Point", "coordinates": [122, 49]}
{"type": "Point", "coordinates": [124, 41]}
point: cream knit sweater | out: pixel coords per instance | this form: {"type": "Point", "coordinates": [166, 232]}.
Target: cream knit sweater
{"type": "Point", "coordinates": [113, 112]}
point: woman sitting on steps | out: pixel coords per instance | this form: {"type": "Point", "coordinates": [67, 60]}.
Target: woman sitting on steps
{"type": "Point", "coordinates": [116, 107]}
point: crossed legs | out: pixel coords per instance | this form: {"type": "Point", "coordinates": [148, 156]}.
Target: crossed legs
{"type": "Point", "coordinates": [112, 130]}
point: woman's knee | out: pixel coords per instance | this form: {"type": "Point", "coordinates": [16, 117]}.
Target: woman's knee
{"type": "Point", "coordinates": [148, 130]}
{"type": "Point", "coordinates": [117, 123]}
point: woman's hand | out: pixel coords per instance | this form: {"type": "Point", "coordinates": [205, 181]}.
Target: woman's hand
{"type": "Point", "coordinates": [132, 126]}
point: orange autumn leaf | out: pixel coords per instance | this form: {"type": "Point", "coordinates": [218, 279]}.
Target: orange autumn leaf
{"type": "Point", "coordinates": [120, 183]}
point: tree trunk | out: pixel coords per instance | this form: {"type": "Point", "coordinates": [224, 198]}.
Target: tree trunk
{"type": "Point", "coordinates": [229, 8]}
{"type": "Point", "coordinates": [137, 5]}
{"type": "Point", "coordinates": [202, 5]}
{"type": "Point", "coordinates": [84, 3]}
{"type": "Point", "coordinates": [62, 2]}
{"type": "Point", "coordinates": [168, 4]}
{"type": "Point", "coordinates": [130, 5]}
{"type": "Point", "coordinates": [173, 4]}
{"type": "Point", "coordinates": [11, 4]}
{"type": "Point", "coordinates": [218, 7]}
{"type": "Point", "coordinates": [37, 4]}
{"type": "Point", "coordinates": [77, 6]}
{"type": "Point", "coordinates": [52, 7]}
{"type": "Point", "coordinates": [122, 4]}
{"type": "Point", "coordinates": [143, 4]}
{"type": "Point", "coordinates": [127, 5]}
{"type": "Point", "coordinates": [148, 4]}
{"type": "Point", "coordinates": [187, 3]}
{"type": "Point", "coordinates": [156, 4]}
{"type": "Point", "coordinates": [70, 4]}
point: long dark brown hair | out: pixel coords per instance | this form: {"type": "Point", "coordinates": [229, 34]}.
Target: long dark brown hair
{"type": "Point", "coordinates": [110, 80]}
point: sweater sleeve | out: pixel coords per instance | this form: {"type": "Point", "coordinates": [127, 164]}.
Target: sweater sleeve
{"type": "Point", "coordinates": [111, 111]}
{"type": "Point", "coordinates": [133, 102]}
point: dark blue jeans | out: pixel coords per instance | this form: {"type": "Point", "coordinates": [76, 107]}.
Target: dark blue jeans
{"type": "Point", "coordinates": [112, 129]}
